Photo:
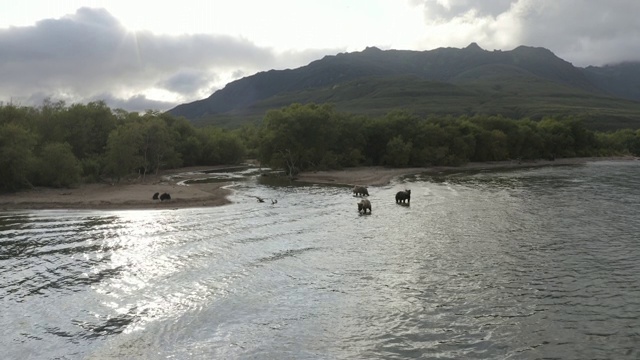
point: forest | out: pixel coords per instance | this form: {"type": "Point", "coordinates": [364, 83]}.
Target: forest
{"type": "Point", "coordinates": [59, 145]}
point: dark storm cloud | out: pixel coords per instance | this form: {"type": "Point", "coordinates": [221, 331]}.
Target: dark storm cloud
{"type": "Point", "coordinates": [138, 103]}
{"type": "Point", "coordinates": [584, 32]}
{"type": "Point", "coordinates": [187, 81]}
{"type": "Point", "coordinates": [90, 52]}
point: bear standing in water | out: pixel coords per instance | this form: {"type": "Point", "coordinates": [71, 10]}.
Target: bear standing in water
{"type": "Point", "coordinates": [360, 191]}
{"type": "Point", "coordinates": [363, 205]}
{"type": "Point", "coordinates": [401, 196]}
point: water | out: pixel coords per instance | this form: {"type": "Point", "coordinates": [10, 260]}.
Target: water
{"type": "Point", "coordinates": [524, 264]}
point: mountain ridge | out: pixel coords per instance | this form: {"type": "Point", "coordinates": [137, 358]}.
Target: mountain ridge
{"type": "Point", "coordinates": [469, 66]}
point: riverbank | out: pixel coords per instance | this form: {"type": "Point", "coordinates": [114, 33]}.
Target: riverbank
{"type": "Point", "coordinates": [133, 194]}
{"type": "Point", "coordinates": [138, 193]}
{"type": "Point", "coordinates": [378, 176]}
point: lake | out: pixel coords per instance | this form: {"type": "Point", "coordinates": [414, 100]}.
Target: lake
{"type": "Point", "coordinates": [521, 264]}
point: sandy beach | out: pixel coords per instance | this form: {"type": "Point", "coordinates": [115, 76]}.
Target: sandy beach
{"type": "Point", "coordinates": [133, 194]}
{"type": "Point", "coordinates": [138, 193]}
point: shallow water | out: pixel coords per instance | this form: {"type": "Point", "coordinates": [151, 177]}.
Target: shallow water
{"type": "Point", "coordinates": [532, 263]}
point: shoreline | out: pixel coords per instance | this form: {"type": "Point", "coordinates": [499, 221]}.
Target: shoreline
{"type": "Point", "coordinates": [128, 195]}
{"type": "Point", "coordinates": [137, 194]}
{"type": "Point", "coordinates": [380, 176]}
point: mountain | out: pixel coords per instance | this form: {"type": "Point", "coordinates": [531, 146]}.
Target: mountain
{"type": "Point", "coordinates": [621, 80]}
{"type": "Point", "coordinates": [523, 82]}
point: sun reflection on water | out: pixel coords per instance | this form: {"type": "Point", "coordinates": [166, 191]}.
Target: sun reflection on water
{"type": "Point", "coordinates": [139, 250]}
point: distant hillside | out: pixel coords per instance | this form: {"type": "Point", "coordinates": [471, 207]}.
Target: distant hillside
{"type": "Point", "coordinates": [621, 80]}
{"type": "Point", "coordinates": [524, 82]}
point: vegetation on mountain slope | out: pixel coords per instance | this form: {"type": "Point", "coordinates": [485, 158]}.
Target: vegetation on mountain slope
{"type": "Point", "coordinates": [524, 82]}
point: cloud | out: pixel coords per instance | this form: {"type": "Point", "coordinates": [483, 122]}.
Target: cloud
{"type": "Point", "coordinates": [580, 31]}
{"type": "Point", "coordinates": [90, 53]}
{"type": "Point", "coordinates": [446, 10]}
{"type": "Point", "coordinates": [188, 81]}
{"type": "Point", "coordinates": [137, 103]}
{"type": "Point", "coordinates": [586, 32]}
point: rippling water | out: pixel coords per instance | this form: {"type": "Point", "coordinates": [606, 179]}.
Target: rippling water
{"type": "Point", "coordinates": [525, 264]}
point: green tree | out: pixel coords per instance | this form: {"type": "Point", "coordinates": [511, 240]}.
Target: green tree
{"type": "Point", "coordinates": [430, 145]}
{"type": "Point", "coordinates": [298, 136]}
{"type": "Point", "coordinates": [157, 147]}
{"type": "Point", "coordinates": [619, 142]}
{"type": "Point", "coordinates": [190, 150]}
{"type": "Point", "coordinates": [123, 150]}
{"type": "Point", "coordinates": [16, 156]}
{"type": "Point", "coordinates": [558, 138]}
{"type": "Point", "coordinates": [633, 145]}
{"type": "Point", "coordinates": [462, 143]}
{"type": "Point", "coordinates": [23, 116]}
{"type": "Point", "coordinates": [221, 147]}
{"type": "Point", "coordinates": [398, 152]}
{"type": "Point", "coordinates": [57, 166]}
{"type": "Point", "coordinates": [377, 137]}
{"type": "Point", "coordinates": [250, 137]}
{"type": "Point", "coordinates": [85, 127]}
{"type": "Point", "coordinates": [186, 142]}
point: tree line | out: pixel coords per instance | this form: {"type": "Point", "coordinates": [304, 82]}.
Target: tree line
{"type": "Point", "coordinates": [303, 137]}
{"type": "Point", "coordinates": [57, 145]}
{"type": "Point", "coordinates": [61, 146]}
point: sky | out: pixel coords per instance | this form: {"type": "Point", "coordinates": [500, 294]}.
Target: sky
{"type": "Point", "coordinates": [140, 55]}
